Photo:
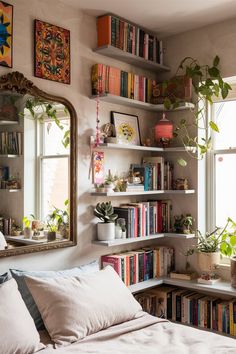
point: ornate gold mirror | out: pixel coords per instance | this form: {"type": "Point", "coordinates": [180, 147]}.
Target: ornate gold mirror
{"type": "Point", "coordinates": [37, 168]}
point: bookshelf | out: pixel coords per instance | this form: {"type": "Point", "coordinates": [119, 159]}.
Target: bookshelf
{"type": "Point", "coordinates": [222, 287]}
{"type": "Point", "coordinates": [107, 97]}
{"type": "Point", "coordinates": [124, 194]}
{"type": "Point", "coordinates": [132, 59]}
{"type": "Point", "coordinates": [106, 146]}
{"type": "Point", "coordinates": [121, 242]}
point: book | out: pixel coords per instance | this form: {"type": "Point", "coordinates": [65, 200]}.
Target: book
{"type": "Point", "coordinates": [182, 276]}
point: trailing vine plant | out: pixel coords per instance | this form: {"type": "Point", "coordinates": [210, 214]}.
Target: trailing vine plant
{"type": "Point", "coordinates": [41, 110]}
{"type": "Point", "coordinates": [207, 84]}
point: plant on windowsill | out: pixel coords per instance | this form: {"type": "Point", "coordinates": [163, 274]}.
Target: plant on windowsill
{"type": "Point", "coordinates": [207, 83]}
{"type": "Point", "coordinates": [210, 247]}
{"type": "Point", "coordinates": [106, 228]}
{"type": "Point", "coordinates": [27, 227]}
{"type": "Point", "coordinates": [61, 218]}
{"type": "Point", "coordinates": [52, 231]}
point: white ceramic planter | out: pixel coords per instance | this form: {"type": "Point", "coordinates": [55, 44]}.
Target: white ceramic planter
{"type": "Point", "coordinates": [105, 231]}
{"type": "Point", "coordinates": [28, 232]}
{"type": "Point", "coordinates": [207, 262]}
{"type": "Point", "coordinates": [233, 271]}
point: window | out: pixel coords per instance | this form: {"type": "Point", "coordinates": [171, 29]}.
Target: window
{"type": "Point", "coordinates": [222, 164]}
{"type": "Point", "coordinates": [53, 167]}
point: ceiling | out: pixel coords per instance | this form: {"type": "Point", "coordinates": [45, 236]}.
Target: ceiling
{"type": "Point", "coordinates": [166, 17]}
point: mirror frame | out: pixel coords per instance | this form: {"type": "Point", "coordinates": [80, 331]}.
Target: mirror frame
{"type": "Point", "coordinates": [17, 82]}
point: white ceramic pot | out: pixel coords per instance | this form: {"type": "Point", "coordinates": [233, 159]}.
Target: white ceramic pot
{"type": "Point", "coordinates": [106, 231]}
{"type": "Point", "coordinates": [207, 262]}
{"type": "Point", "coordinates": [233, 271]}
{"type": "Point", "coordinates": [28, 232]}
{"type": "Point", "coordinates": [109, 187]}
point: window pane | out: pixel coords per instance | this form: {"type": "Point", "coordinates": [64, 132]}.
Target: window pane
{"type": "Point", "coordinates": [55, 184]}
{"type": "Point", "coordinates": [225, 118]}
{"type": "Point", "coordinates": [225, 169]}
{"type": "Point", "coordinates": [53, 137]}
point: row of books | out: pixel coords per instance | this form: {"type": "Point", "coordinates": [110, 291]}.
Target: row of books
{"type": "Point", "coordinates": [190, 308]}
{"type": "Point", "coordinates": [146, 218]}
{"type": "Point", "coordinates": [128, 37]}
{"type": "Point", "coordinates": [107, 79]}
{"type": "Point", "coordinates": [4, 176]}
{"type": "Point", "coordinates": [155, 173]}
{"type": "Point", "coordinates": [5, 225]}
{"type": "Point", "coordinates": [11, 143]}
{"type": "Point", "coordinates": [140, 265]}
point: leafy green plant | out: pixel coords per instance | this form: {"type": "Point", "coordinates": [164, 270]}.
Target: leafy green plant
{"type": "Point", "coordinates": [221, 240]}
{"type": "Point", "coordinates": [110, 178]}
{"type": "Point", "coordinates": [105, 212]}
{"type": "Point", "coordinates": [26, 222]}
{"type": "Point", "coordinates": [60, 216]}
{"type": "Point", "coordinates": [207, 83]}
{"type": "Point", "coordinates": [52, 227]}
{"type": "Point", "coordinates": [41, 110]}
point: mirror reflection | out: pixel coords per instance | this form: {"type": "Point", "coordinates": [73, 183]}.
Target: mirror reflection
{"type": "Point", "coordinates": [34, 171]}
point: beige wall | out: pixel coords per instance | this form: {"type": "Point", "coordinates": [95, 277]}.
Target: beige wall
{"type": "Point", "coordinates": [203, 44]}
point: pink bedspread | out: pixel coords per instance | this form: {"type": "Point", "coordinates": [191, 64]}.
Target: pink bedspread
{"type": "Point", "coordinates": [149, 335]}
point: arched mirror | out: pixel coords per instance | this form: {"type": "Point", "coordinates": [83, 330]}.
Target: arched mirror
{"type": "Point", "coordinates": [37, 168]}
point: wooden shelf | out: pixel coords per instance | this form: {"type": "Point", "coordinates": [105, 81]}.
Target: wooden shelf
{"type": "Point", "coordinates": [117, 146]}
{"type": "Point", "coordinates": [119, 54]}
{"type": "Point", "coordinates": [107, 97]}
{"type": "Point", "coordinates": [120, 242]}
{"type": "Point", "coordinates": [8, 122]}
{"type": "Point", "coordinates": [10, 190]}
{"type": "Point", "coordinates": [223, 288]}
{"type": "Point", "coordinates": [124, 194]}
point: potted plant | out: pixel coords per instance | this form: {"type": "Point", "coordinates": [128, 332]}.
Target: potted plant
{"type": "Point", "coordinates": [187, 224]}
{"type": "Point", "coordinates": [110, 180]}
{"type": "Point", "coordinates": [106, 228]}
{"type": "Point", "coordinates": [210, 246]}
{"type": "Point", "coordinates": [60, 217]}
{"type": "Point", "coordinates": [52, 231]}
{"type": "Point", "coordinates": [27, 227]}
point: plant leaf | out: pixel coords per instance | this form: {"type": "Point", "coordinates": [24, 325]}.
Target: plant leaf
{"type": "Point", "coordinates": [182, 162]}
{"type": "Point", "coordinates": [216, 60]}
{"type": "Point", "coordinates": [214, 126]}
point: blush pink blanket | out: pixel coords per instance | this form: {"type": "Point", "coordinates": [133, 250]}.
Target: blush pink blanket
{"type": "Point", "coordinates": [149, 335]}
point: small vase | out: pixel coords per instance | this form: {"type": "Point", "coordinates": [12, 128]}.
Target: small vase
{"type": "Point", "coordinates": [51, 236]}
{"type": "Point", "coordinates": [207, 262]}
{"type": "Point", "coordinates": [106, 231]}
{"type": "Point", "coordinates": [28, 232]}
{"type": "Point", "coordinates": [233, 271]}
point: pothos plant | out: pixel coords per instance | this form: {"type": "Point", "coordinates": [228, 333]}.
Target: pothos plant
{"type": "Point", "coordinates": [41, 110]}
{"type": "Point", "coordinates": [207, 83]}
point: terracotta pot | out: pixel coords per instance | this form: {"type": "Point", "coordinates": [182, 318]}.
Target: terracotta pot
{"type": "Point", "coordinates": [207, 262]}
{"type": "Point", "coordinates": [233, 271]}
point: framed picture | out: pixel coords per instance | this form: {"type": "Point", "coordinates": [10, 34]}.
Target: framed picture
{"type": "Point", "coordinates": [126, 128]}
{"type": "Point", "coordinates": [98, 167]}
{"type": "Point", "coordinates": [6, 32]}
{"type": "Point", "coordinates": [52, 52]}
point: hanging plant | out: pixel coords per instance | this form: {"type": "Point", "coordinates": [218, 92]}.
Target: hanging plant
{"type": "Point", "coordinates": [42, 110]}
{"type": "Point", "coordinates": [207, 84]}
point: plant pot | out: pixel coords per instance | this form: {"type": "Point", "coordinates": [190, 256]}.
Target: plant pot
{"type": "Point", "coordinates": [105, 231]}
{"type": "Point", "coordinates": [109, 187]}
{"type": "Point", "coordinates": [207, 262]}
{"type": "Point", "coordinates": [28, 232]}
{"type": "Point", "coordinates": [51, 236]}
{"type": "Point", "coordinates": [233, 271]}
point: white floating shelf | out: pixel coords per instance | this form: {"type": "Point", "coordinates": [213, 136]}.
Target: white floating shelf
{"type": "Point", "coordinates": [117, 146]}
{"type": "Point", "coordinates": [119, 242]}
{"type": "Point", "coordinates": [107, 97]}
{"type": "Point", "coordinates": [10, 156]}
{"type": "Point", "coordinates": [119, 54]}
{"type": "Point", "coordinates": [183, 236]}
{"type": "Point", "coordinates": [147, 284]}
{"type": "Point", "coordinates": [124, 194]}
{"type": "Point", "coordinates": [221, 287]}
{"type": "Point", "coordinates": [10, 190]}
{"type": "Point", "coordinates": [8, 122]}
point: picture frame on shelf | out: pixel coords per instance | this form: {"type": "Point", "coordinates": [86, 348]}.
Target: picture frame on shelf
{"type": "Point", "coordinates": [6, 16]}
{"type": "Point", "coordinates": [45, 67]}
{"type": "Point", "coordinates": [126, 128]}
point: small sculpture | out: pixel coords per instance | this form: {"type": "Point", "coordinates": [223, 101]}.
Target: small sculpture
{"type": "Point", "coordinates": [181, 184]}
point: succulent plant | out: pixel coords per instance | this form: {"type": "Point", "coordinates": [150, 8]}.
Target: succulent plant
{"type": "Point", "coordinates": [105, 212]}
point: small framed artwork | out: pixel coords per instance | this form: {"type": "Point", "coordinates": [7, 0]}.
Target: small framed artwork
{"type": "Point", "coordinates": [98, 167]}
{"type": "Point", "coordinates": [6, 31]}
{"type": "Point", "coordinates": [52, 52]}
{"type": "Point", "coordinates": [126, 128]}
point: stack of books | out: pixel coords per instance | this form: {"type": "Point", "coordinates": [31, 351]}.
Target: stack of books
{"type": "Point", "coordinates": [140, 265]}
{"type": "Point", "coordinates": [155, 172]}
{"type": "Point", "coordinates": [146, 218]}
{"type": "Point", "coordinates": [106, 79]}
{"type": "Point", "coordinates": [128, 37]}
{"type": "Point", "coordinates": [190, 308]}
{"type": "Point", "coordinates": [10, 143]}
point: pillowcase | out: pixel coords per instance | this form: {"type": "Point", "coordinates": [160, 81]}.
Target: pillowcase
{"type": "Point", "coordinates": [19, 276]}
{"type": "Point", "coordinates": [73, 308]}
{"type": "Point", "coordinates": [18, 331]}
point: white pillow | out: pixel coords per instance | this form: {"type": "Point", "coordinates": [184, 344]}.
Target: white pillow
{"type": "Point", "coordinates": [73, 308]}
{"type": "Point", "coordinates": [18, 331]}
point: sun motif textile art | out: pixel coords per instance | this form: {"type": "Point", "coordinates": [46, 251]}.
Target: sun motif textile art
{"type": "Point", "coordinates": [52, 52]}
{"type": "Point", "coordinates": [6, 24]}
